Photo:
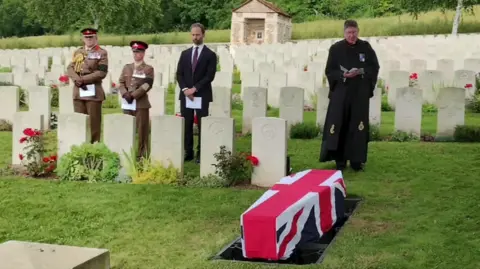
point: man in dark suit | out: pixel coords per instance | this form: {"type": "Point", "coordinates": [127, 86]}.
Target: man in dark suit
{"type": "Point", "coordinates": [195, 72]}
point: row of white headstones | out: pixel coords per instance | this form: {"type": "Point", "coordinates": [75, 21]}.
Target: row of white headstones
{"type": "Point", "coordinates": [269, 140]}
{"type": "Point", "coordinates": [259, 87]}
{"type": "Point", "coordinates": [269, 135]}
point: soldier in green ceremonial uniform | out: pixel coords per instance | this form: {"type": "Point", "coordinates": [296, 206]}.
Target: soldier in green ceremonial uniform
{"type": "Point", "coordinates": [88, 68]}
{"type": "Point", "coordinates": [352, 70]}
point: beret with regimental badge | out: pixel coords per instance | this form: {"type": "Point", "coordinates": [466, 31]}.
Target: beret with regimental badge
{"type": "Point", "coordinates": [87, 32]}
{"type": "Point", "coordinates": [138, 45]}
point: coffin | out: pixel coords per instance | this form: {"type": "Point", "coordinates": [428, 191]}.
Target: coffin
{"type": "Point", "coordinates": [299, 209]}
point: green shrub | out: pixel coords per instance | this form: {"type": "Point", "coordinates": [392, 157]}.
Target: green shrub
{"type": "Point", "coordinates": [54, 96]}
{"type": "Point", "coordinates": [5, 126]}
{"type": "Point", "coordinates": [111, 101]}
{"type": "Point", "coordinates": [237, 77]}
{"type": "Point", "coordinates": [233, 168]}
{"type": "Point", "coordinates": [381, 85]}
{"type": "Point", "coordinates": [304, 130]}
{"type": "Point", "coordinates": [467, 133]}
{"type": "Point", "coordinates": [386, 107]}
{"type": "Point", "coordinates": [473, 104]}
{"type": "Point", "coordinates": [23, 100]}
{"type": "Point", "coordinates": [374, 132]}
{"type": "Point", "coordinates": [237, 103]}
{"type": "Point", "coordinates": [429, 108]}
{"type": "Point", "coordinates": [147, 171]}
{"type": "Point", "coordinates": [400, 136]}
{"type": "Point", "coordinates": [89, 162]}
{"type": "Point", "coordinates": [171, 88]}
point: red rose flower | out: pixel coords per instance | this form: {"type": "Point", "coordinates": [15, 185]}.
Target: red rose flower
{"type": "Point", "coordinates": [468, 86]}
{"type": "Point", "coordinates": [29, 132]}
{"type": "Point", "coordinates": [195, 119]}
{"type": "Point", "coordinates": [253, 160]}
{"type": "Point", "coordinates": [20, 156]}
{"type": "Point", "coordinates": [63, 79]}
{"type": "Point", "coordinates": [114, 85]}
{"type": "Point", "coordinates": [414, 76]}
{"type": "Point", "coordinates": [23, 139]}
{"type": "Point", "coordinates": [46, 159]}
{"type": "Point", "coordinates": [53, 158]}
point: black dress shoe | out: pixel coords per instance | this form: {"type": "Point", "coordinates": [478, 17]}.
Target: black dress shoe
{"type": "Point", "coordinates": [341, 165]}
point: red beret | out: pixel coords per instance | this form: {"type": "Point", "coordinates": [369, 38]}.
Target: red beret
{"type": "Point", "coordinates": [138, 45]}
{"type": "Point", "coordinates": [89, 31]}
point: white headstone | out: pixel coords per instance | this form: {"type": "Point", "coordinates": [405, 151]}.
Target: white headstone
{"type": "Point", "coordinates": [29, 255]}
{"type": "Point", "coordinates": [216, 132]}
{"type": "Point", "coordinates": [269, 146]}
{"type": "Point", "coordinates": [73, 129]}
{"type": "Point", "coordinates": [254, 105]}
{"type": "Point", "coordinates": [119, 134]}
{"type": "Point", "coordinates": [167, 141]}
{"type": "Point", "coordinates": [451, 110]}
{"type": "Point", "coordinates": [22, 121]}
{"type": "Point", "coordinates": [408, 110]}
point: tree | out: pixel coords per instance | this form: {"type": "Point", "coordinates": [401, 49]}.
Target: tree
{"type": "Point", "coordinates": [456, 20]}
{"type": "Point", "coordinates": [416, 7]}
{"type": "Point", "coordinates": [14, 20]}
{"type": "Point", "coordinates": [59, 14]}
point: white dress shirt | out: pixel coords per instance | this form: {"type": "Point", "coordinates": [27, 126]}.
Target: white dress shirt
{"type": "Point", "coordinates": [200, 48]}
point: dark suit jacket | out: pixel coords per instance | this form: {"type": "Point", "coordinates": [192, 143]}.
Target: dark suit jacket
{"type": "Point", "coordinates": [203, 76]}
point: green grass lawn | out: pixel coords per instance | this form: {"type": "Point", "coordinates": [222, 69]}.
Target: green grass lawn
{"type": "Point", "coordinates": [434, 22]}
{"type": "Point", "coordinates": [419, 210]}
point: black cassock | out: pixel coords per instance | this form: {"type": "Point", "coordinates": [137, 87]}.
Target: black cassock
{"type": "Point", "coordinates": [346, 128]}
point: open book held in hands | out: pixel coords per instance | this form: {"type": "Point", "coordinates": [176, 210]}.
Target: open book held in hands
{"type": "Point", "coordinates": [361, 71]}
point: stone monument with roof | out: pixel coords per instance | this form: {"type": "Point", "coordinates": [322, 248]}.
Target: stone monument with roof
{"type": "Point", "coordinates": [260, 22]}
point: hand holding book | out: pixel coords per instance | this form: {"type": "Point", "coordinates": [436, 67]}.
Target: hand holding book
{"type": "Point", "coordinates": [352, 72]}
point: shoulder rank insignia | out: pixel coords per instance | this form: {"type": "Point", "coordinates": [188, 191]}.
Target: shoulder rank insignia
{"type": "Point", "coordinates": [332, 129]}
{"type": "Point", "coordinates": [360, 126]}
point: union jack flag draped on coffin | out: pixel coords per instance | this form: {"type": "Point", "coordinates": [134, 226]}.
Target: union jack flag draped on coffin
{"type": "Point", "coordinates": [300, 208]}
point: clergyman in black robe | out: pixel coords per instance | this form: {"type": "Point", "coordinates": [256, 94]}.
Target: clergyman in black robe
{"type": "Point", "coordinates": [352, 70]}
